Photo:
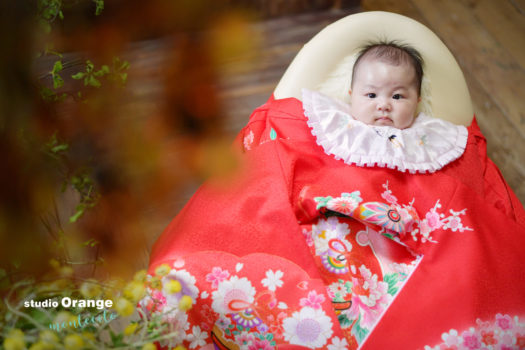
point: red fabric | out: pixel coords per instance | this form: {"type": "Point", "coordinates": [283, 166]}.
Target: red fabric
{"type": "Point", "coordinates": [273, 200]}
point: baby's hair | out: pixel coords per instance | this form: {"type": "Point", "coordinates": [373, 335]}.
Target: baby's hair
{"type": "Point", "coordinates": [394, 53]}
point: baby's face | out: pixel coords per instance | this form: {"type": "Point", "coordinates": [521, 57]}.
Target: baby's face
{"type": "Point", "coordinates": [383, 94]}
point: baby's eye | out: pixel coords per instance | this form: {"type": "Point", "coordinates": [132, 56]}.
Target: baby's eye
{"type": "Point", "coordinates": [397, 96]}
{"type": "Point", "coordinates": [371, 95]}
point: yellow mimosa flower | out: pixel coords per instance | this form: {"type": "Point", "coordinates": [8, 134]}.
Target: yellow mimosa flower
{"type": "Point", "coordinates": [185, 303]}
{"type": "Point", "coordinates": [15, 340]}
{"type": "Point", "coordinates": [48, 337]}
{"type": "Point", "coordinates": [130, 328]}
{"type": "Point", "coordinates": [134, 291]}
{"type": "Point", "coordinates": [155, 283]}
{"type": "Point", "coordinates": [73, 342]}
{"type": "Point", "coordinates": [162, 270]}
{"type": "Point", "coordinates": [149, 346]}
{"type": "Point", "coordinates": [124, 307]}
{"type": "Point", "coordinates": [172, 286]}
{"type": "Point", "coordinates": [90, 289]}
{"type": "Point", "coordinates": [140, 276]}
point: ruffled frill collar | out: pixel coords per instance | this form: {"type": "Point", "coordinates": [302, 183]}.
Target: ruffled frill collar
{"type": "Point", "coordinates": [427, 146]}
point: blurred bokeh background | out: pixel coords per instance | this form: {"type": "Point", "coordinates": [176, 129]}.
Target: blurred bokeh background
{"type": "Point", "coordinates": [113, 112]}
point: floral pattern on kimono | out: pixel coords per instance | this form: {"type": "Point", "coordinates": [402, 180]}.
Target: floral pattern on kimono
{"type": "Point", "coordinates": [359, 248]}
{"type": "Point", "coordinates": [255, 302]}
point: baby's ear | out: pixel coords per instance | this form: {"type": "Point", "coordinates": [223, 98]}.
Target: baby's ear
{"type": "Point", "coordinates": [350, 92]}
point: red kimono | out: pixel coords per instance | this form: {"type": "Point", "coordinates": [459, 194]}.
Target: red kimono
{"type": "Point", "coordinates": [303, 250]}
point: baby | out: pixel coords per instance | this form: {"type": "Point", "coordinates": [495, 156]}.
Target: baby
{"type": "Point", "coordinates": [386, 85]}
{"type": "Point", "coordinates": [378, 125]}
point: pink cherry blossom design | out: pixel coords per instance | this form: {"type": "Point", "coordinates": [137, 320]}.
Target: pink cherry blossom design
{"type": "Point", "coordinates": [216, 276]}
{"type": "Point", "coordinates": [452, 338]}
{"type": "Point", "coordinates": [504, 321]}
{"type": "Point", "coordinates": [454, 223]}
{"type": "Point", "coordinates": [313, 300]}
{"type": "Point", "coordinates": [260, 345]}
{"type": "Point", "coordinates": [425, 228]}
{"type": "Point", "coordinates": [433, 220]}
{"type": "Point", "coordinates": [471, 340]}
{"type": "Point", "coordinates": [389, 197]}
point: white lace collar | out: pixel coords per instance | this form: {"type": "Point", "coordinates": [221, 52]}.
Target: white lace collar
{"type": "Point", "coordinates": [428, 145]}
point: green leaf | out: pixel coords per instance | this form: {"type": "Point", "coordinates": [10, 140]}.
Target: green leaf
{"type": "Point", "coordinates": [388, 235]}
{"type": "Point", "coordinates": [99, 6]}
{"type": "Point", "coordinates": [120, 65]}
{"type": "Point", "coordinates": [89, 66]}
{"type": "Point", "coordinates": [116, 339]}
{"type": "Point", "coordinates": [57, 81]}
{"type": "Point", "coordinates": [92, 81]}
{"type": "Point", "coordinates": [359, 332]}
{"type": "Point", "coordinates": [80, 211]}
{"type": "Point", "coordinates": [125, 65]}
{"type": "Point", "coordinates": [91, 242]}
{"type": "Point", "coordinates": [78, 76]}
{"type": "Point", "coordinates": [60, 148]}
{"type": "Point", "coordinates": [57, 67]}
{"type": "Point", "coordinates": [47, 94]}
{"type": "Point", "coordinates": [344, 321]}
{"type": "Point", "coordinates": [123, 77]}
{"type": "Point", "coordinates": [392, 280]}
{"type": "Point", "coordinates": [40, 316]}
{"type": "Point", "coordinates": [322, 201]}
{"type": "Point", "coordinates": [102, 71]}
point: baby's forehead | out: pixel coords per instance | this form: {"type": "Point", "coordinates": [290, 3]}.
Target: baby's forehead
{"type": "Point", "coordinates": [366, 78]}
{"type": "Point", "coordinates": [368, 63]}
{"type": "Point", "coordinates": [366, 60]}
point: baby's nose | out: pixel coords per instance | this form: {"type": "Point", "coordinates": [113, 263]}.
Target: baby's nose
{"type": "Point", "coordinates": [383, 105]}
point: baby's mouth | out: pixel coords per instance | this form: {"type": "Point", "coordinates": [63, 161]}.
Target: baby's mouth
{"type": "Point", "coordinates": [383, 120]}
